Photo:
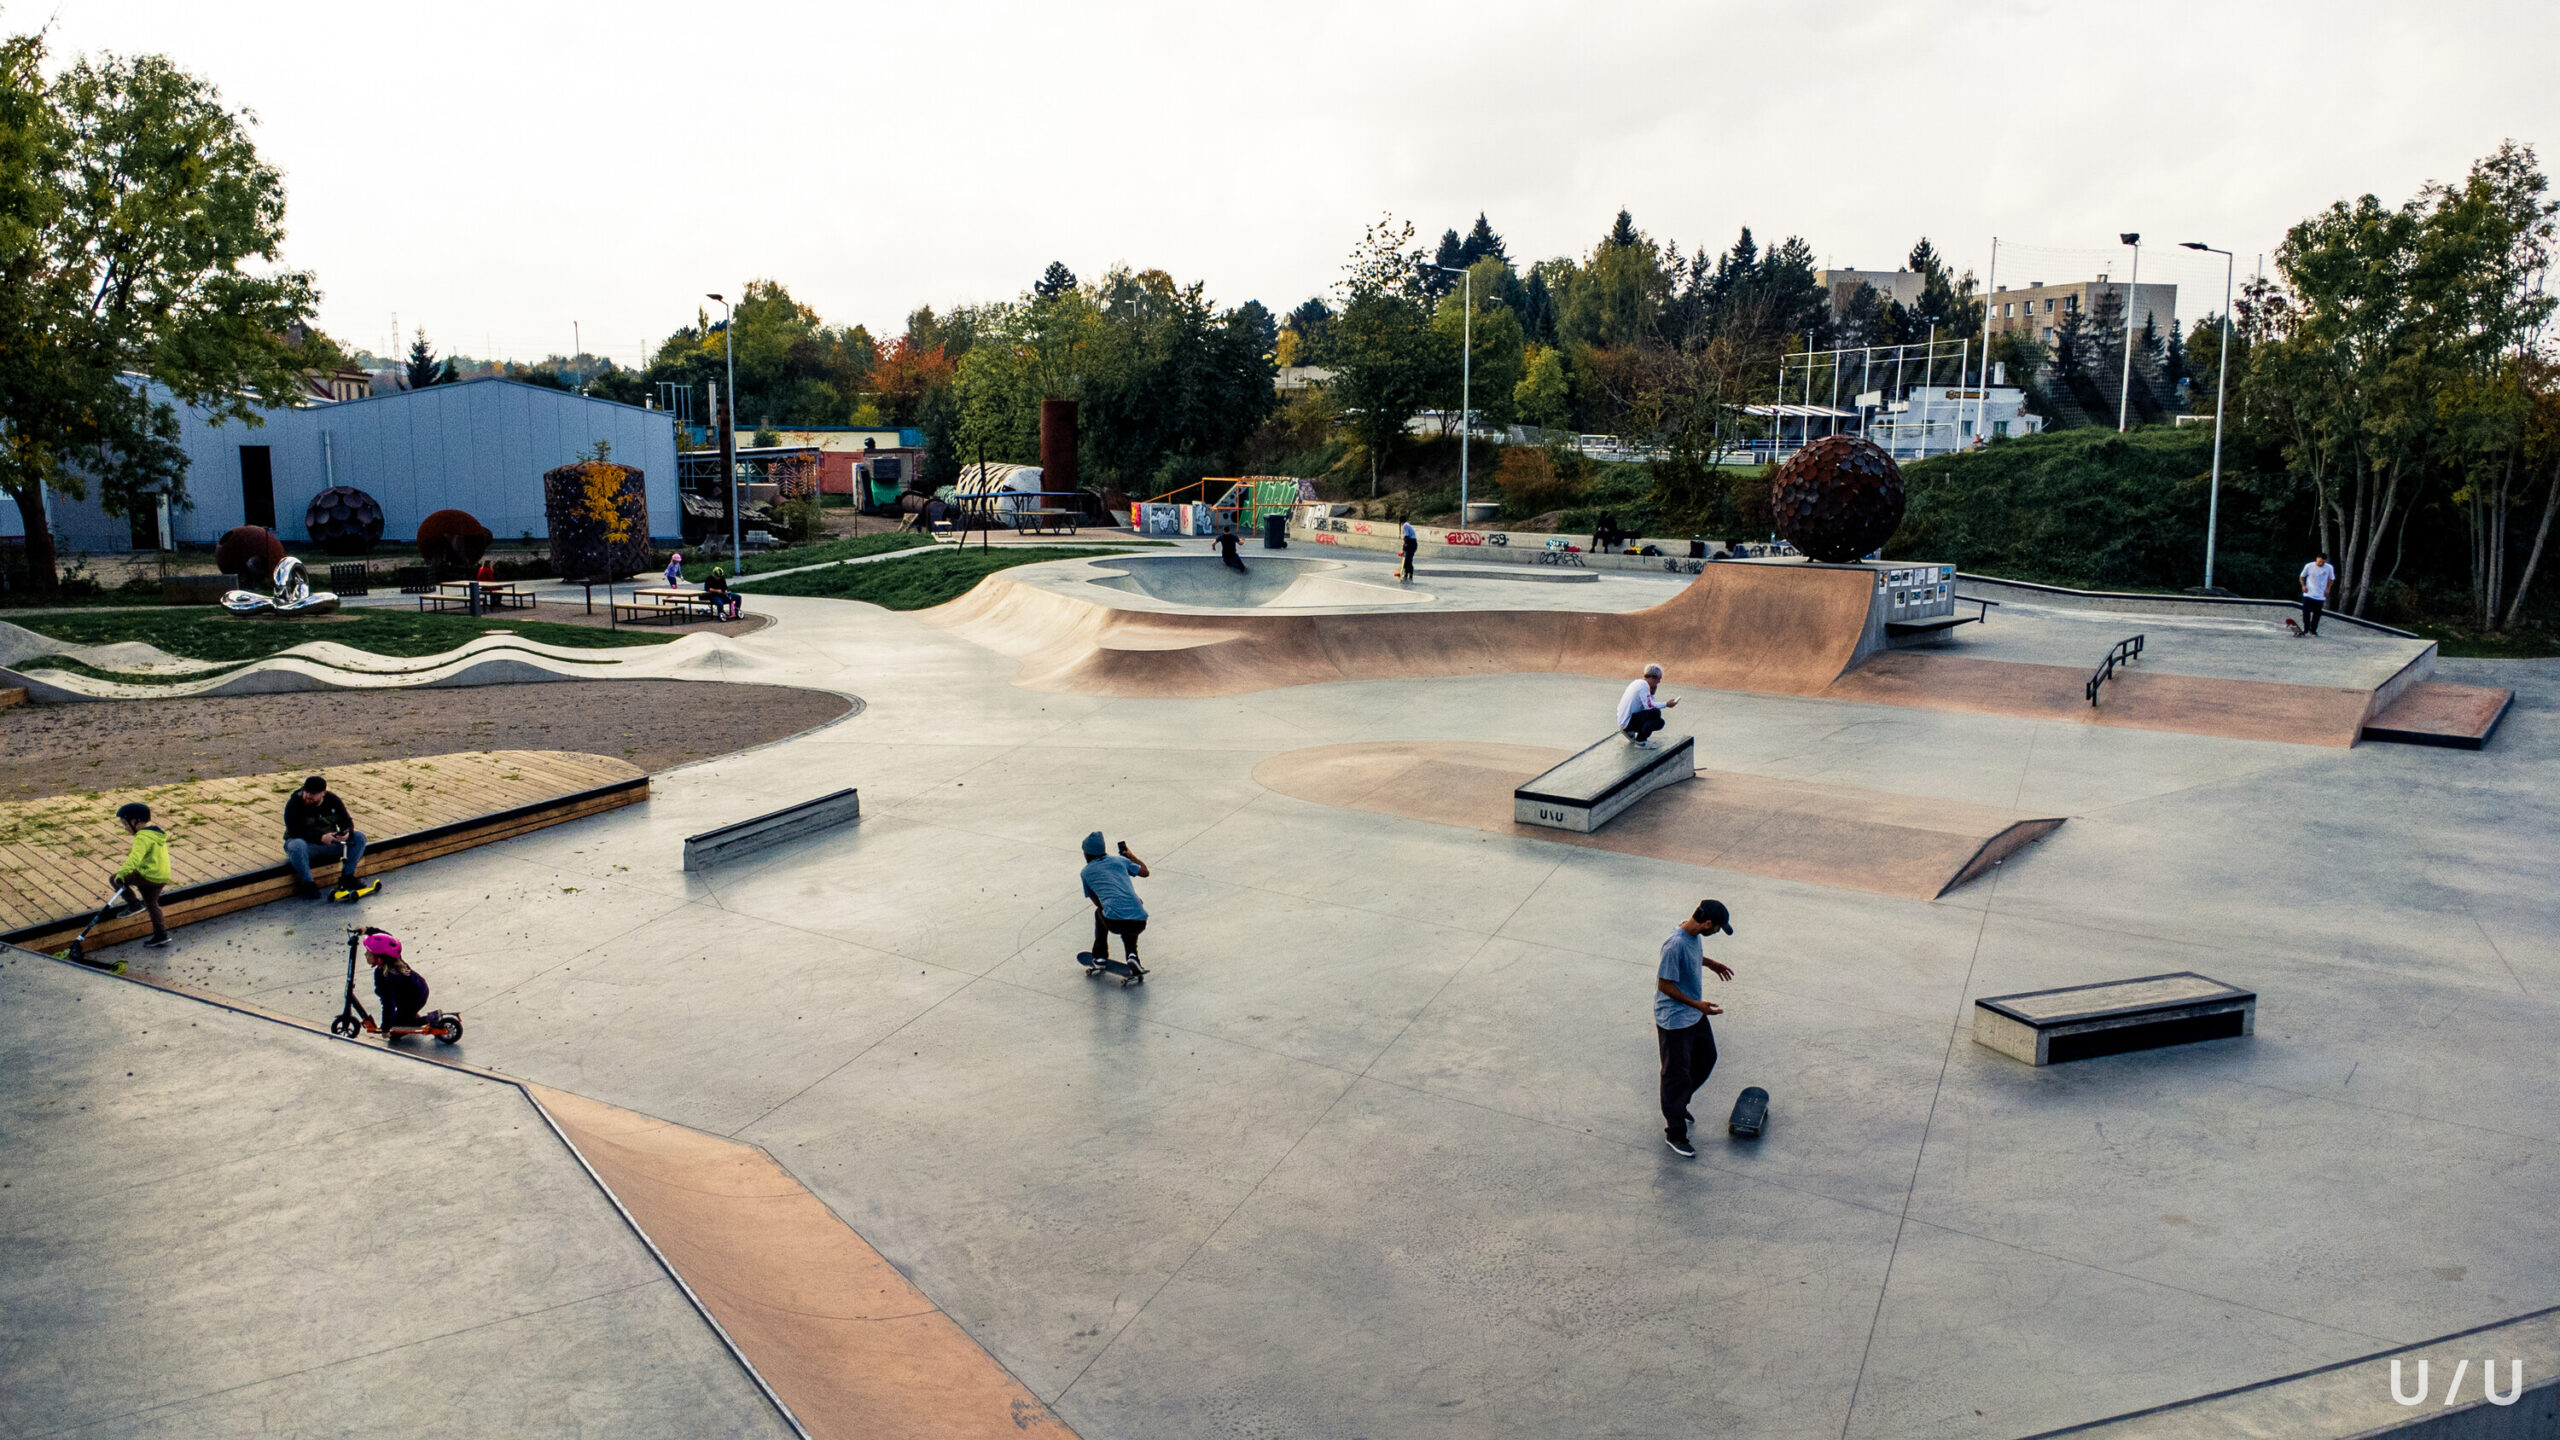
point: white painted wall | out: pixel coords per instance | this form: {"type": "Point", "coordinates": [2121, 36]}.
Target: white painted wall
{"type": "Point", "coordinates": [479, 446]}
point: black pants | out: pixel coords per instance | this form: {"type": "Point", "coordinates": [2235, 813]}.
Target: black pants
{"type": "Point", "coordinates": [1227, 554]}
{"type": "Point", "coordinates": [1644, 722]}
{"type": "Point", "coordinates": [1127, 930]}
{"type": "Point", "coordinates": [1409, 548]}
{"type": "Point", "coordinates": [1688, 1058]}
{"type": "Point", "coordinates": [2311, 614]}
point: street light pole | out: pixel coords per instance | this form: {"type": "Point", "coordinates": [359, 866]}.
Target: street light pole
{"type": "Point", "coordinates": [1466, 380]}
{"type": "Point", "coordinates": [2221, 389]}
{"type": "Point", "coordinates": [729, 435]}
{"type": "Point", "coordinates": [2124, 317]}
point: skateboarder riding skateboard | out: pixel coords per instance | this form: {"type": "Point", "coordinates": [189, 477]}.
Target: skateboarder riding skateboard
{"type": "Point", "coordinates": [1640, 709]}
{"type": "Point", "coordinates": [1680, 1011]}
{"type": "Point", "coordinates": [1116, 910]}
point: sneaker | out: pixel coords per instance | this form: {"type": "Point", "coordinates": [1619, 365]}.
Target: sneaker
{"type": "Point", "coordinates": [1648, 744]}
{"type": "Point", "coordinates": [307, 890]}
{"type": "Point", "coordinates": [1680, 1148]}
{"type": "Point", "coordinates": [157, 941]}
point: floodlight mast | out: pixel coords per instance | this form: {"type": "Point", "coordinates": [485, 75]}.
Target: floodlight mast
{"type": "Point", "coordinates": [2124, 317]}
{"type": "Point", "coordinates": [1466, 379]}
{"type": "Point", "coordinates": [729, 436]}
{"type": "Point", "coordinates": [2221, 388]}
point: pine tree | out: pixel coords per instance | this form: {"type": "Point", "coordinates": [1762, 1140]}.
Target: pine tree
{"type": "Point", "coordinates": [1482, 244]}
{"type": "Point", "coordinates": [1057, 280]}
{"type": "Point", "coordinates": [1924, 258]}
{"type": "Point", "coordinates": [1624, 232]}
{"type": "Point", "coordinates": [423, 368]}
{"type": "Point", "coordinates": [1452, 252]}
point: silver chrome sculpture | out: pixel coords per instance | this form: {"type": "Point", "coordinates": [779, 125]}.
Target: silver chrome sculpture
{"type": "Point", "coordinates": [294, 595]}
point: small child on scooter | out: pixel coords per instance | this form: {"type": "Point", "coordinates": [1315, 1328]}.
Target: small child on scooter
{"type": "Point", "coordinates": [402, 991]}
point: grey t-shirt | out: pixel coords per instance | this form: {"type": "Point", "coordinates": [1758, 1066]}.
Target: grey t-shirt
{"type": "Point", "coordinates": [1682, 957]}
{"type": "Point", "coordinates": [1107, 879]}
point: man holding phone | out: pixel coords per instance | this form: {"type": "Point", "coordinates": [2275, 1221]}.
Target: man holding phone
{"type": "Point", "coordinates": [1116, 910]}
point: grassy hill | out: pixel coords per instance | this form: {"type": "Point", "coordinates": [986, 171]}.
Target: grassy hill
{"type": "Point", "coordinates": [2097, 510]}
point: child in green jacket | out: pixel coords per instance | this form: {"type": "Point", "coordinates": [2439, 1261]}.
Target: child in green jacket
{"type": "Point", "coordinates": [146, 866]}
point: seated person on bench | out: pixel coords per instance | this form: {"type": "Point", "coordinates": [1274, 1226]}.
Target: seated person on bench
{"type": "Point", "coordinates": [317, 829]}
{"type": "Point", "coordinates": [1640, 709]}
{"type": "Point", "coordinates": [401, 991]}
{"type": "Point", "coordinates": [725, 602]}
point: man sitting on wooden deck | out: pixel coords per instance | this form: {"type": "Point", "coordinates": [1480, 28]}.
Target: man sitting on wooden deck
{"type": "Point", "coordinates": [318, 828]}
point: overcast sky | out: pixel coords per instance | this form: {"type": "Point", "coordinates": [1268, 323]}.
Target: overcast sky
{"type": "Point", "coordinates": [496, 171]}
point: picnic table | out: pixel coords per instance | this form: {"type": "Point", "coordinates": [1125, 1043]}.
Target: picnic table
{"type": "Point", "coordinates": [494, 595]}
{"type": "Point", "coordinates": [670, 604]}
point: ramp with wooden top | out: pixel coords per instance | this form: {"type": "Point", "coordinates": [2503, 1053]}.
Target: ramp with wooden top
{"type": "Point", "coordinates": [2432, 712]}
{"type": "Point", "coordinates": [226, 836]}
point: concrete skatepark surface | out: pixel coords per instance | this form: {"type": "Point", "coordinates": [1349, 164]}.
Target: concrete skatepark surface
{"type": "Point", "coordinates": [1787, 629]}
{"type": "Point", "coordinates": [1375, 1151]}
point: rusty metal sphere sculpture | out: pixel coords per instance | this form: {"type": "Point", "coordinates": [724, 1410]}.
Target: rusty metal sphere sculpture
{"type": "Point", "coordinates": [251, 552]}
{"type": "Point", "coordinates": [1838, 498]}
{"type": "Point", "coordinates": [452, 541]}
{"type": "Point", "coordinates": [343, 520]}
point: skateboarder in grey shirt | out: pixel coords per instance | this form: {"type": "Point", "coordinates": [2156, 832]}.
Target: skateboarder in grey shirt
{"type": "Point", "coordinates": [1680, 1011]}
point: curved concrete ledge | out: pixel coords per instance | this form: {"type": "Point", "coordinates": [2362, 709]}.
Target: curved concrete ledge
{"type": "Point", "coordinates": [495, 659]}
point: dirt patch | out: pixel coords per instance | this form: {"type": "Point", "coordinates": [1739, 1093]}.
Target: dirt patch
{"type": "Point", "coordinates": [109, 745]}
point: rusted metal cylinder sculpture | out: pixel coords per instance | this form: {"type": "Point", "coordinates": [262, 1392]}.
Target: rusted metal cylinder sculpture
{"type": "Point", "coordinates": [1057, 445]}
{"type": "Point", "coordinates": [1837, 498]}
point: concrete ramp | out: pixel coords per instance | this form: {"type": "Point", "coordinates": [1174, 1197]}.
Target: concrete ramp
{"type": "Point", "coordinates": [2432, 712]}
{"type": "Point", "coordinates": [1834, 835]}
{"type": "Point", "coordinates": [1785, 629]}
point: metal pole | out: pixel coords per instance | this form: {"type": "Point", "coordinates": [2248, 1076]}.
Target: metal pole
{"type": "Point", "coordinates": [2124, 317]}
{"type": "Point", "coordinates": [729, 436]}
{"type": "Point", "coordinates": [1928, 377]}
{"type": "Point", "coordinates": [2221, 389]}
{"type": "Point", "coordinates": [1982, 397]}
{"type": "Point", "coordinates": [1466, 390]}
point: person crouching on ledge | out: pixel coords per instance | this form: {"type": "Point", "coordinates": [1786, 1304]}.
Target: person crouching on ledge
{"type": "Point", "coordinates": [1640, 709]}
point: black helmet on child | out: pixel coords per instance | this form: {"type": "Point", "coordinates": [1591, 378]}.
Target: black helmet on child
{"type": "Point", "coordinates": [133, 812]}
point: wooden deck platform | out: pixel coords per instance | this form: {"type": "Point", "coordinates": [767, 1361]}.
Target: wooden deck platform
{"type": "Point", "coordinates": [226, 835]}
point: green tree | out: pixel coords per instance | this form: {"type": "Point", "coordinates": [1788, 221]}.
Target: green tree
{"type": "Point", "coordinates": [134, 208]}
{"type": "Point", "coordinates": [1540, 399]}
{"type": "Point", "coordinates": [1498, 342]}
{"type": "Point", "coordinates": [422, 368]}
{"type": "Point", "coordinates": [1386, 365]}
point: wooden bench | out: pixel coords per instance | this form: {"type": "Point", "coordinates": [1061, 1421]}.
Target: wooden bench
{"type": "Point", "coordinates": [2082, 1022]}
{"type": "Point", "coordinates": [494, 595]}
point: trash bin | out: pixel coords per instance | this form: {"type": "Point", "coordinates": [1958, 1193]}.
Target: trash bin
{"type": "Point", "coordinates": [1275, 532]}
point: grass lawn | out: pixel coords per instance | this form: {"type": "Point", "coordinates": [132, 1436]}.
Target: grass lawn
{"type": "Point", "coordinates": [917, 584]}
{"type": "Point", "coordinates": [206, 633]}
{"type": "Point", "coordinates": [819, 554]}
{"type": "Point", "coordinates": [2523, 643]}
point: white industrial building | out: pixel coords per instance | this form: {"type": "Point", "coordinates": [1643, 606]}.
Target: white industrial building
{"type": "Point", "coordinates": [479, 446]}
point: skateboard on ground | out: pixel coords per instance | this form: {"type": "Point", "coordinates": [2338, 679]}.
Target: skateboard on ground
{"type": "Point", "coordinates": [357, 891]}
{"type": "Point", "coordinates": [1750, 1113]}
{"type": "Point", "coordinates": [1094, 967]}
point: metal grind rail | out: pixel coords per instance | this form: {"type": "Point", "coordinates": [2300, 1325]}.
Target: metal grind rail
{"type": "Point", "coordinates": [2124, 653]}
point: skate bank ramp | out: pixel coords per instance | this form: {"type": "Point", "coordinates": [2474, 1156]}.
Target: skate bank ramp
{"type": "Point", "coordinates": [1835, 835]}
{"type": "Point", "coordinates": [1788, 630]}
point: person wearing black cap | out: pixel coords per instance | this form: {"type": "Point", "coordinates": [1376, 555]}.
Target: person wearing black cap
{"type": "Point", "coordinates": [1680, 1012]}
